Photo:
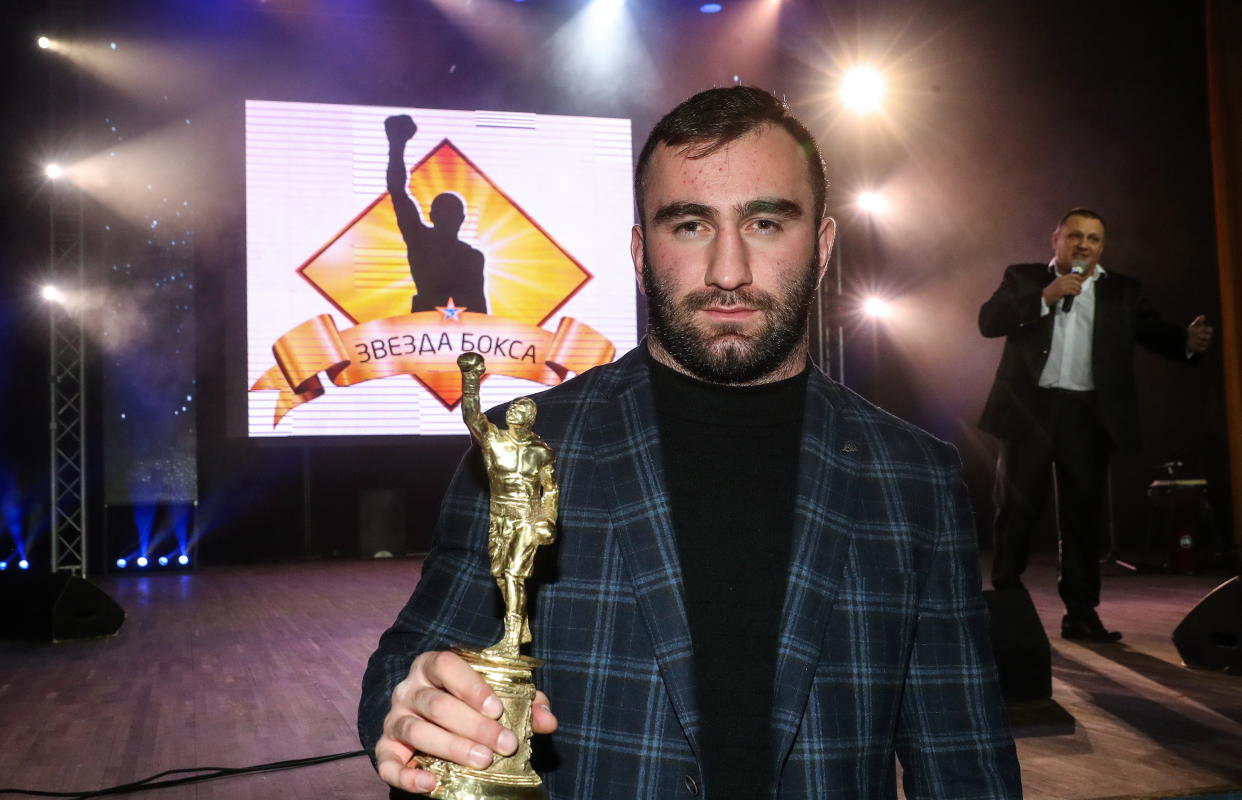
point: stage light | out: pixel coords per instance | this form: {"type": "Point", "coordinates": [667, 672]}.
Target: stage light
{"type": "Point", "coordinates": [52, 294]}
{"type": "Point", "coordinates": [862, 89]}
{"type": "Point", "coordinates": [877, 308]}
{"type": "Point", "coordinates": [600, 16]}
{"type": "Point", "coordinates": [121, 563]}
{"type": "Point", "coordinates": [23, 564]}
{"type": "Point", "coordinates": [142, 561]}
{"type": "Point", "coordinates": [872, 203]}
{"type": "Point", "coordinates": [163, 560]}
{"type": "Point", "coordinates": [183, 559]}
{"type": "Point", "coordinates": [54, 170]}
{"type": "Point", "coordinates": [711, 8]}
{"type": "Point", "coordinates": [44, 42]}
{"type": "Point", "coordinates": [4, 565]}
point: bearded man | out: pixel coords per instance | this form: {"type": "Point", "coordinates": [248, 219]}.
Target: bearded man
{"type": "Point", "coordinates": [764, 587]}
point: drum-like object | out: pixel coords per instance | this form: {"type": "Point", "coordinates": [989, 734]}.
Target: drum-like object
{"type": "Point", "coordinates": [1178, 520]}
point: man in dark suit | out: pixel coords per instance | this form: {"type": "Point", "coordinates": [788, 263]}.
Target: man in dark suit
{"type": "Point", "coordinates": [763, 586]}
{"type": "Point", "coordinates": [1065, 395]}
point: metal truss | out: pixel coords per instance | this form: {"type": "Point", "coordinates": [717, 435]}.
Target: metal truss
{"type": "Point", "coordinates": [66, 344]}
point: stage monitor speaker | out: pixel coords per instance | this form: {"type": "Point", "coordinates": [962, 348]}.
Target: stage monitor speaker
{"type": "Point", "coordinates": [46, 607]}
{"type": "Point", "coordinates": [1210, 637]}
{"type": "Point", "coordinates": [1023, 655]}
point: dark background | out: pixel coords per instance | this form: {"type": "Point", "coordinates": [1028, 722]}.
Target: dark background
{"type": "Point", "coordinates": [1000, 116]}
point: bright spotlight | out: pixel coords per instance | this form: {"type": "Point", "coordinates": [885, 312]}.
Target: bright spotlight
{"type": "Point", "coordinates": [862, 90]}
{"type": "Point", "coordinates": [163, 560]}
{"type": "Point", "coordinates": [4, 565]}
{"type": "Point", "coordinates": [877, 308]}
{"type": "Point", "coordinates": [121, 563]}
{"type": "Point", "coordinates": [23, 564]}
{"type": "Point", "coordinates": [44, 42]}
{"type": "Point", "coordinates": [601, 16]}
{"type": "Point", "coordinates": [54, 171]}
{"type": "Point", "coordinates": [52, 294]}
{"type": "Point", "coordinates": [711, 8]}
{"type": "Point", "coordinates": [183, 559]}
{"type": "Point", "coordinates": [142, 561]}
{"type": "Point", "coordinates": [872, 203]}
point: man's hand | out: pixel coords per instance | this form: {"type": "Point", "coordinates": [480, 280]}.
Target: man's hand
{"type": "Point", "coordinates": [1199, 335]}
{"type": "Point", "coordinates": [445, 709]}
{"type": "Point", "coordinates": [400, 128]}
{"type": "Point", "coordinates": [1065, 285]}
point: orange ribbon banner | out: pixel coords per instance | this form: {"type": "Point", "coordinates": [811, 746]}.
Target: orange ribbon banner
{"type": "Point", "coordinates": [425, 345]}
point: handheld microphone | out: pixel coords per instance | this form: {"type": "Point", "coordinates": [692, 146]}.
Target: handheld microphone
{"type": "Point", "coordinates": [1077, 268]}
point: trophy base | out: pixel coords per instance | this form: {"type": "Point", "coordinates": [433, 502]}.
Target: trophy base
{"type": "Point", "coordinates": [462, 787]}
{"type": "Point", "coordinates": [509, 777]}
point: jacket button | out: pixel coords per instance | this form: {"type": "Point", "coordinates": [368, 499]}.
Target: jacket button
{"type": "Point", "coordinates": [692, 786]}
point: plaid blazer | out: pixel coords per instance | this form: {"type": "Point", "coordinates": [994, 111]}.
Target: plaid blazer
{"type": "Point", "coordinates": [884, 644]}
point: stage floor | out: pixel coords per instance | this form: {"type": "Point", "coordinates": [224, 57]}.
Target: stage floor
{"type": "Point", "coordinates": [229, 667]}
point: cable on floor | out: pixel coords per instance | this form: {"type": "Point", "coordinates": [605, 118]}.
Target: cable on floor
{"type": "Point", "coordinates": [208, 774]}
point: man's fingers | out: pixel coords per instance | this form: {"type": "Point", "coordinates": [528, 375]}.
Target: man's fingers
{"type": "Point", "coordinates": [410, 779]}
{"type": "Point", "coordinates": [391, 763]}
{"type": "Point", "coordinates": [449, 672]}
{"type": "Point", "coordinates": [1198, 321]}
{"type": "Point", "coordinates": [442, 710]}
{"type": "Point", "coordinates": [542, 720]}
{"type": "Point", "coordinates": [434, 740]}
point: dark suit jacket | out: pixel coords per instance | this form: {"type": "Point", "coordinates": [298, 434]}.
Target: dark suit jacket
{"type": "Point", "coordinates": [1123, 317]}
{"type": "Point", "coordinates": [884, 643]}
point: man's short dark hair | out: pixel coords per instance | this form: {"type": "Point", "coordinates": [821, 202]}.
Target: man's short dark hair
{"type": "Point", "coordinates": [1080, 212]}
{"type": "Point", "coordinates": [714, 118]}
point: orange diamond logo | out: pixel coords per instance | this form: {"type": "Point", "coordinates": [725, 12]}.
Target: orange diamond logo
{"type": "Point", "coordinates": [364, 271]}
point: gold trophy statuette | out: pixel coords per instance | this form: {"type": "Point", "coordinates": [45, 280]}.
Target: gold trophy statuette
{"type": "Point", "coordinates": [521, 477]}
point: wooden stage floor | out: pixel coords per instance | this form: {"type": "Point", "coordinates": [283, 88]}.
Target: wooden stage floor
{"type": "Point", "coordinates": [243, 665]}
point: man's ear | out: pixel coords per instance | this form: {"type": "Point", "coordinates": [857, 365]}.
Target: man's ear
{"type": "Point", "coordinates": [826, 237]}
{"type": "Point", "coordinates": [637, 254]}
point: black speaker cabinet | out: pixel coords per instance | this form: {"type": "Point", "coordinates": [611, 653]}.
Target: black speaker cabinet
{"type": "Point", "coordinates": [1210, 637]}
{"type": "Point", "coordinates": [1023, 655]}
{"type": "Point", "coordinates": [44, 607]}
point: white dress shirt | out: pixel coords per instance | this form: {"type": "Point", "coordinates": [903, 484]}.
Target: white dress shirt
{"type": "Point", "coordinates": [1069, 358]}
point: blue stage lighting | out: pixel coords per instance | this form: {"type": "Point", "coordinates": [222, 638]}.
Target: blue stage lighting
{"type": "Point", "coordinates": [163, 561]}
{"type": "Point", "coordinates": [142, 561]}
{"type": "Point", "coordinates": [711, 8]}
{"type": "Point", "coordinates": [24, 564]}
{"type": "Point", "coordinates": [4, 565]}
{"type": "Point", "coordinates": [183, 559]}
{"type": "Point", "coordinates": [121, 563]}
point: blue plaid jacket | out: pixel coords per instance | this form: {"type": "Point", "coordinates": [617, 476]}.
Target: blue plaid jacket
{"type": "Point", "coordinates": [883, 647]}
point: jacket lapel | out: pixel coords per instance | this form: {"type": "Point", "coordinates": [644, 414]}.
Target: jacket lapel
{"type": "Point", "coordinates": [631, 470]}
{"type": "Point", "coordinates": [832, 451]}
{"type": "Point", "coordinates": [1106, 298]}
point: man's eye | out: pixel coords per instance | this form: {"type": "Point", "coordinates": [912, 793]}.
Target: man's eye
{"type": "Point", "coordinates": [690, 226]}
{"type": "Point", "coordinates": [767, 225]}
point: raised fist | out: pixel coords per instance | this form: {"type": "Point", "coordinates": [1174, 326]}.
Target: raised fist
{"type": "Point", "coordinates": [471, 365]}
{"type": "Point", "coordinates": [400, 128]}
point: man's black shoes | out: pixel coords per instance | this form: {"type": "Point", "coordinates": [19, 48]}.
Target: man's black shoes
{"type": "Point", "coordinates": [1087, 628]}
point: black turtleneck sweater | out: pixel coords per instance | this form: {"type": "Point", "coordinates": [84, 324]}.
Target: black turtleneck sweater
{"type": "Point", "coordinates": [730, 463]}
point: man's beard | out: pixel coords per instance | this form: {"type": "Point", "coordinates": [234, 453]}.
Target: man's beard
{"type": "Point", "coordinates": [726, 355]}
